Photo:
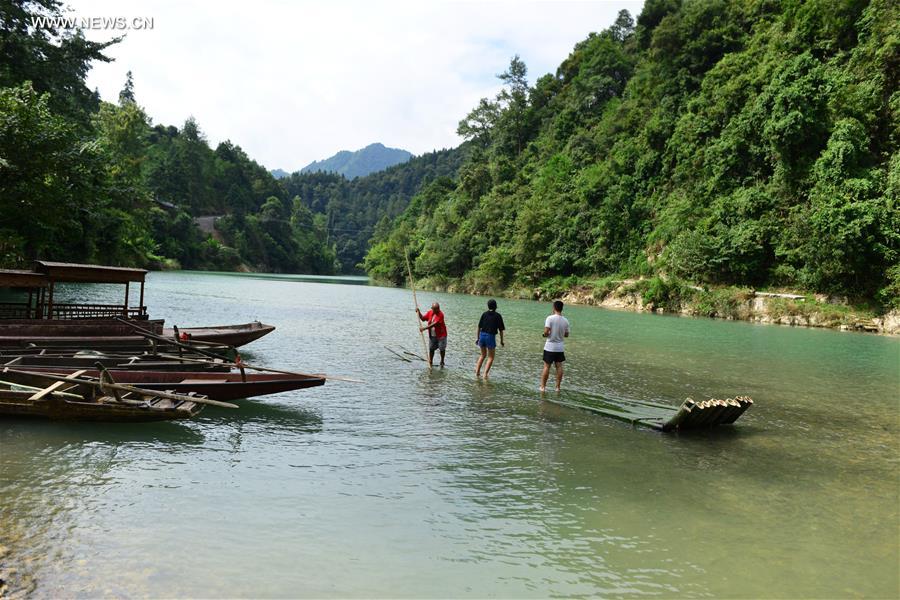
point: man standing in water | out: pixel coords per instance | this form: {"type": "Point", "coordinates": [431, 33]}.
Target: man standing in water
{"type": "Point", "coordinates": [437, 331]}
{"type": "Point", "coordinates": [491, 322]}
{"type": "Point", "coordinates": [556, 328]}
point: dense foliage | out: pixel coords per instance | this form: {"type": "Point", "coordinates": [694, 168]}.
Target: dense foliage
{"type": "Point", "coordinates": [749, 142]}
{"type": "Point", "coordinates": [745, 142]}
{"type": "Point", "coordinates": [85, 180]}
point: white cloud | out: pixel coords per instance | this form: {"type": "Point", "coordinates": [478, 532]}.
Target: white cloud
{"type": "Point", "coordinates": [292, 82]}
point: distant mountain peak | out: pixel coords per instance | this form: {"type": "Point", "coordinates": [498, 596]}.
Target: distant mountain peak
{"type": "Point", "coordinates": [371, 159]}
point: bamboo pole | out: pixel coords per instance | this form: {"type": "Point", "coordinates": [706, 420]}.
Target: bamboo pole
{"type": "Point", "coordinates": [679, 417]}
{"type": "Point", "coordinates": [745, 403]}
{"type": "Point", "coordinates": [733, 407]}
{"type": "Point", "coordinates": [412, 284]}
{"type": "Point", "coordinates": [398, 355]}
{"type": "Point", "coordinates": [125, 388]}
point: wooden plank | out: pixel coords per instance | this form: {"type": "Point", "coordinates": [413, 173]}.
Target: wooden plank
{"type": "Point", "coordinates": [55, 386]}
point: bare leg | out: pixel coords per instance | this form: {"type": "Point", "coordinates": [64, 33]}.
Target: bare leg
{"type": "Point", "coordinates": [480, 360]}
{"type": "Point", "coordinates": [430, 357]}
{"type": "Point", "coordinates": [443, 352]}
{"type": "Point", "coordinates": [490, 361]}
{"type": "Point", "coordinates": [559, 374]}
{"type": "Point", "coordinates": [545, 373]}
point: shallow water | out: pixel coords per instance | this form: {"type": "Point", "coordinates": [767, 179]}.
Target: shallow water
{"type": "Point", "coordinates": [419, 484]}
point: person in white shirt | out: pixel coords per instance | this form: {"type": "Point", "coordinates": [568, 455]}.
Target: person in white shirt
{"type": "Point", "coordinates": [556, 328]}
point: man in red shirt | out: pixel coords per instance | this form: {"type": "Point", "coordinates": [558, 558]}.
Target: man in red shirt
{"type": "Point", "coordinates": [437, 331]}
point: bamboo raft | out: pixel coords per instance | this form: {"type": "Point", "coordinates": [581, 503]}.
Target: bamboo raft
{"type": "Point", "coordinates": [661, 417]}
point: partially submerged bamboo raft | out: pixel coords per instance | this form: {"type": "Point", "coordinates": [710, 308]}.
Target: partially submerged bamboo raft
{"type": "Point", "coordinates": [689, 416]}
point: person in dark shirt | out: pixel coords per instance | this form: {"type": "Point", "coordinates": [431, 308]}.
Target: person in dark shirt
{"type": "Point", "coordinates": [488, 326]}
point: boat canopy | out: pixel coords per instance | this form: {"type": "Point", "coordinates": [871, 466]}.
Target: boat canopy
{"type": "Point", "coordinates": [60, 271]}
{"type": "Point", "coordinates": [40, 286]}
{"type": "Point", "coordinates": [15, 278]}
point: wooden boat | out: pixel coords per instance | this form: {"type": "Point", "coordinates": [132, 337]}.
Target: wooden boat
{"type": "Point", "coordinates": [40, 317]}
{"type": "Point", "coordinates": [228, 335]}
{"type": "Point", "coordinates": [81, 398]}
{"type": "Point", "coordinates": [114, 362]}
{"type": "Point", "coordinates": [106, 345]}
{"type": "Point", "coordinates": [218, 386]}
{"type": "Point", "coordinates": [96, 334]}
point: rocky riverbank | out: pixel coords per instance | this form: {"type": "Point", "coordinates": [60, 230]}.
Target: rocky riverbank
{"type": "Point", "coordinates": [659, 295]}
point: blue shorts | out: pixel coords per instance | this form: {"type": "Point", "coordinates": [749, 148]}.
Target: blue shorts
{"type": "Point", "coordinates": [487, 340]}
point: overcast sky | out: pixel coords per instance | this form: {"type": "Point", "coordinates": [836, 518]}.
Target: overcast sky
{"type": "Point", "coordinates": [296, 81]}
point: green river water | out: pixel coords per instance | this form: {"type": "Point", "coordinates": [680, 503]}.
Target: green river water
{"type": "Point", "coordinates": [418, 484]}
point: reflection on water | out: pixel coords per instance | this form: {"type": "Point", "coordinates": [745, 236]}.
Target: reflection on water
{"type": "Point", "coordinates": [422, 483]}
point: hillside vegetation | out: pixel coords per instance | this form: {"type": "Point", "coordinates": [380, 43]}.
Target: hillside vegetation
{"type": "Point", "coordinates": [743, 142]}
{"type": "Point", "coordinates": [354, 210]}
{"type": "Point", "coordinates": [93, 181]}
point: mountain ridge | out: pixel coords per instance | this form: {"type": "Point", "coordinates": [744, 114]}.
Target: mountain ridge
{"type": "Point", "coordinates": [359, 163]}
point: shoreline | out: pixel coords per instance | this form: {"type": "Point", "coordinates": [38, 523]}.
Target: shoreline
{"type": "Point", "coordinates": [662, 296]}
{"type": "Point", "coordinates": [657, 296]}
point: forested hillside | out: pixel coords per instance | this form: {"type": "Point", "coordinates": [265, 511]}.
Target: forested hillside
{"type": "Point", "coordinates": [86, 180]}
{"type": "Point", "coordinates": [740, 142]}
{"type": "Point", "coordinates": [371, 159]}
{"type": "Point", "coordinates": [713, 141]}
{"type": "Point", "coordinates": [355, 209]}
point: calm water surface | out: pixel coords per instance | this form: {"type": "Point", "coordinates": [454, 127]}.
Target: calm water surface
{"type": "Point", "coordinates": [433, 484]}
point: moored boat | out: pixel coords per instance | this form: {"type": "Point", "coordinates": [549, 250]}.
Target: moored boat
{"type": "Point", "coordinates": [40, 316]}
{"type": "Point", "coordinates": [229, 335]}
{"type": "Point", "coordinates": [81, 398]}
{"type": "Point", "coordinates": [89, 360]}
{"type": "Point", "coordinates": [218, 386]}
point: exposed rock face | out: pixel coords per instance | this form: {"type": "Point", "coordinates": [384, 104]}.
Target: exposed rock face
{"type": "Point", "coordinates": [759, 309]}
{"type": "Point", "coordinates": [889, 323]}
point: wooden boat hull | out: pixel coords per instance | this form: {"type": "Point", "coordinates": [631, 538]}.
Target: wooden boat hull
{"type": "Point", "coordinates": [229, 335]}
{"type": "Point", "coordinates": [113, 363]}
{"type": "Point", "coordinates": [216, 386]}
{"type": "Point", "coordinates": [88, 336]}
{"type": "Point", "coordinates": [17, 404]}
{"type": "Point", "coordinates": [54, 328]}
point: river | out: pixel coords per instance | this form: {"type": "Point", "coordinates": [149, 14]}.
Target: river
{"type": "Point", "coordinates": [433, 484]}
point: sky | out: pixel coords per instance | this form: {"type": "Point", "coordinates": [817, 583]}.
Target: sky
{"type": "Point", "coordinates": [296, 81]}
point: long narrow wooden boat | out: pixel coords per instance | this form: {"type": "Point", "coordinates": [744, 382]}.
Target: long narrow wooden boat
{"type": "Point", "coordinates": [229, 335]}
{"type": "Point", "coordinates": [80, 399]}
{"type": "Point", "coordinates": [43, 334]}
{"type": "Point", "coordinates": [114, 363]}
{"type": "Point", "coordinates": [141, 347]}
{"type": "Point", "coordinates": [218, 386]}
{"type": "Point", "coordinates": [105, 408]}
{"type": "Point", "coordinates": [112, 346]}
